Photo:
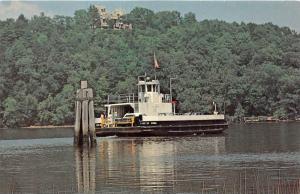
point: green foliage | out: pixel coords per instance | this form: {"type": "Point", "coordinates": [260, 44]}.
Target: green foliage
{"type": "Point", "coordinates": [140, 17]}
{"type": "Point", "coordinates": [94, 16]}
{"type": "Point", "coordinates": [166, 19]}
{"type": "Point", "coordinates": [239, 112]}
{"type": "Point", "coordinates": [189, 18]}
{"type": "Point", "coordinates": [10, 111]}
{"type": "Point", "coordinates": [19, 111]}
{"type": "Point", "coordinates": [249, 69]}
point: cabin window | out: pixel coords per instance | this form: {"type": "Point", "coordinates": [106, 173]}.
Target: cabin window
{"type": "Point", "coordinates": [149, 88]}
{"type": "Point", "coordinates": [142, 88]}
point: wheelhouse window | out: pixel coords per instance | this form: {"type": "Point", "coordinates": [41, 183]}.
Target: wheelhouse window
{"type": "Point", "coordinates": [149, 88]}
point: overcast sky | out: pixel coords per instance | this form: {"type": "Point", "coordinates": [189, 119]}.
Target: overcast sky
{"type": "Point", "coordinates": [282, 13]}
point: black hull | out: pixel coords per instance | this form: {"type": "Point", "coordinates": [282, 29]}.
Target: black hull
{"type": "Point", "coordinates": [158, 130]}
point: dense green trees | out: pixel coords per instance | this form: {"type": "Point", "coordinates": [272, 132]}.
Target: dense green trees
{"type": "Point", "coordinates": [248, 69]}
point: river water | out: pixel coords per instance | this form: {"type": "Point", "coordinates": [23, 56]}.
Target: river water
{"type": "Point", "coordinates": [248, 158]}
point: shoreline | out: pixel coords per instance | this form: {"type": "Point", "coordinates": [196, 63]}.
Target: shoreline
{"type": "Point", "coordinates": [47, 126]}
{"type": "Point", "coordinates": [42, 127]}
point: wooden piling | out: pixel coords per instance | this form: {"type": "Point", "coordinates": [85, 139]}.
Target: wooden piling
{"type": "Point", "coordinates": [92, 131]}
{"type": "Point", "coordinates": [77, 126]}
{"type": "Point", "coordinates": [84, 130]}
{"type": "Point", "coordinates": [85, 121]}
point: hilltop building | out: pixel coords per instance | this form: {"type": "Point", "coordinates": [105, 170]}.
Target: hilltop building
{"type": "Point", "coordinates": [115, 17]}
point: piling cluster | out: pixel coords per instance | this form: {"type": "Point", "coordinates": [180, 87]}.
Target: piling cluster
{"type": "Point", "coordinates": [84, 130]}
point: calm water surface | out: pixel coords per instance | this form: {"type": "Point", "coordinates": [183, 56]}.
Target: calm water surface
{"type": "Point", "coordinates": [252, 158]}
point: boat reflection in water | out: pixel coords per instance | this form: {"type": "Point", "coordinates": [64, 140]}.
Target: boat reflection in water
{"type": "Point", "coordinates": [181, 165]}
{"type": "Point", "coordinates": [152, 164]}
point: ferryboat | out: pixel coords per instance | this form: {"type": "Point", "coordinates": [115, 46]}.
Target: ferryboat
{"type": "Point", "coordinates": [152, 113]}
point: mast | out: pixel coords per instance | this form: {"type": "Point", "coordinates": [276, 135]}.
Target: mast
{"type": "Point", "coordinates": [156, 65]}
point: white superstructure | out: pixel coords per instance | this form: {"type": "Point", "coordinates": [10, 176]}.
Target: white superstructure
{"type": "Point", "coordinates": [150, 101]}
{"type": "Point", "coordinates": [151, 104]}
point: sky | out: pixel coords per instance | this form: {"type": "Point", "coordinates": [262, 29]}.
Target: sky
{"type": "Point", "coordinates": [282, 13]}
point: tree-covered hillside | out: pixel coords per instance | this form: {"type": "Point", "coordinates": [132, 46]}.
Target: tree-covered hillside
{"type": "Point", "coordinates": [251, 69]}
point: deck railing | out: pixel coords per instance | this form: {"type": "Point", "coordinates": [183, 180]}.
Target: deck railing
{"type": "Point", "coordinates": [122, 98]}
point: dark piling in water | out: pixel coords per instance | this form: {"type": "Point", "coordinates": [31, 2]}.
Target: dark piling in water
{"type": "Point", "coordinates": [84, 129]}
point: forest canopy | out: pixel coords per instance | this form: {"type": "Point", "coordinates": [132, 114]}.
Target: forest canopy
{"type": "Point", "coordinates": [247, 69]}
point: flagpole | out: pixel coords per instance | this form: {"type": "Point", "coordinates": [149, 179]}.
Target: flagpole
{"type": "Point", "coordinates": [156, 65]}
{"type": "Point", "coordinates": [154, 60]}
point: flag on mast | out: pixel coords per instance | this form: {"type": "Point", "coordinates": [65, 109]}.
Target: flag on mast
{"type": "Point", "coordinates": [156, 65]}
